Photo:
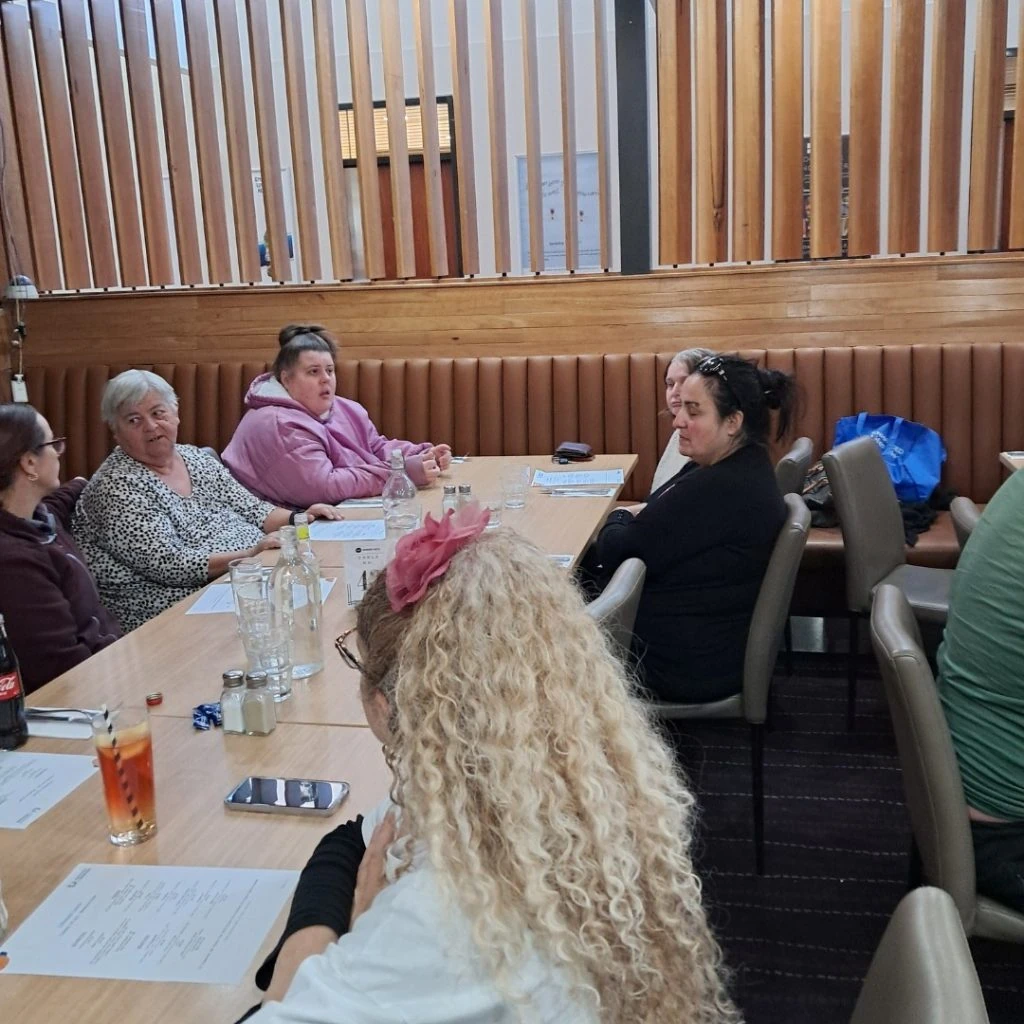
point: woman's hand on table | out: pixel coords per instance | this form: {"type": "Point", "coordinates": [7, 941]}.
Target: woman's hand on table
{"type": "Point", "coordinates": [271, 540]}
{"type": "Point", "coordinates": [323, 511]}
{"type": "Point", "coordinates": [372, 877]}
{"type": "Point", "coordinates": [431, 470]}
{"type": "Point", "coordinates": [442, 454]}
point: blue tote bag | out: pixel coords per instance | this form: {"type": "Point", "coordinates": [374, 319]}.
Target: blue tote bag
{"type": "Point", "coordinates": [913, 453]}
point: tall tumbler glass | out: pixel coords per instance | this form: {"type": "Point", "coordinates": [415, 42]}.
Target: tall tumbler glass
{"type": "Point", "coordinates": [125, 748]}
{"type": "Point", "coordinates": [515, 484]}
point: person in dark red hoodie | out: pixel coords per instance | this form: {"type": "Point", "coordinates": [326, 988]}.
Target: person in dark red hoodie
{"type": "Point", "coordinates": [48, 597]}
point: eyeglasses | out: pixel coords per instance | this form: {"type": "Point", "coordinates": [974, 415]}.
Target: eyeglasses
{"type": "Point", "coordinates": [346, 655]}
{"type": "Point", "coordinates": [59, 444]}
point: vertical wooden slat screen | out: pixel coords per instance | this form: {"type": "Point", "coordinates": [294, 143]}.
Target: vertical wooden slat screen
{"type": "Point", "coordinates": [310, 265]}
{"type": "Point", "coordinates": [60, 139]}
{"type": "Point", "coordinates": [260, 56]}
{"type": "Point", "coordinates": [120, 162]}
{"type": "Point", "coordinates": [905, 144]}
{"type": "Point", "coordinates": [675, 161]}
{"type": "Point", "coordinates": [569, 190]}
{"type": "Point", "coordinates": [865, 126]}
{"type": "Point", "coordinates": [945, 128]}
{"type": "Point", "coordinates": [748, 130]}
{"type": "Point", "coordinates": [89, 145]}
{"type": "Point", "coordinates": [330, 140]}
{"type": "Point", "coordinates": [366, 147]}
{"type": "Point", "coordinates": [458, 34]}
{"type": "Point", "coordinates": [437, 243]}
{"type": "Point", "coordinates": [147, 145]}
{"type": "Point", "coordinates": [787, 129]}
{"type": "Point", "coordinates": [1016, 183]}
{"type": "Point", "coordinates": [211, 170]}
{"type": "Point", "coordinates": [826, 144]}
{"type": "Point", "coordinates": [531, 97]}
{"type": "Point", "coordinates": [712, 134]}
{"type": "Point", "coordinates": [18, 255]}
{"type": "Point", "coordinates": [498, 134]}
{"type": "Point", "coordinates": [178, 146]}
{"type": "Point", "coordinates": [987, 125]}
{"type": "Point", "coordinates": [604, 173]}
{"type": "Point", "coordinates": [236, 130]}
{"type": "Point", "coordinates": [28, 134]}
{"type": "Point", "coordinates": [398, 140]}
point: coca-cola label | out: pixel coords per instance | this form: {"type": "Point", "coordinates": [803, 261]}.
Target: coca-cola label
{"type": "Point", "coordinates": [10, 686]}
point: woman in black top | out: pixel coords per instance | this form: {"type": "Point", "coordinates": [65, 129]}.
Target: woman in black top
{"type": "Point", "coordinates": [707, 534]}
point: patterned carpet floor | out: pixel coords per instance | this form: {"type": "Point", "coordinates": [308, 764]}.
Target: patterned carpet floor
{"type": "Point", "coordinates": [799, 939]}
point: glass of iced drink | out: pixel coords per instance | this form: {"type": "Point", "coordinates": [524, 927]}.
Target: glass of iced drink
{"type": "Point", "coordinates": [124, 745]}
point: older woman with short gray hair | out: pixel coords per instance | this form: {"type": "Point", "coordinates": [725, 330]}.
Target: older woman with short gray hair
{"type": "Point", "coordinates": [159, 519]}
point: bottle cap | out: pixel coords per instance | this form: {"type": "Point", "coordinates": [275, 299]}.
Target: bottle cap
{"type": "Point", "coordinates": [465, 489]}
{"type": "Point", "coordinates": [255, 679]}
{"type": "Point", "coordinates": [449, 488]}
{"type": "Point", "coordinates": [233, 677]}
{"type": "Point", "coordinates": [153, 699]}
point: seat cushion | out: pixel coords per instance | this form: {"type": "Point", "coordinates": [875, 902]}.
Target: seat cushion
{"type": "Point", "coordinates": [936, 548]}
{"type": "Point", "coordinates": [927, 590]}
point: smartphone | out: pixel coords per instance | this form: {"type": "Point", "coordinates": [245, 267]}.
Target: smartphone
{"type": "Point", "coordinates": [286, 796]}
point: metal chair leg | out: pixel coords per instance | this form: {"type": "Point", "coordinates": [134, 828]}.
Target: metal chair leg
{"type": "Point", "coordinates": [757, 786]}
{"type": "Point", "coordinates": [851, 671]}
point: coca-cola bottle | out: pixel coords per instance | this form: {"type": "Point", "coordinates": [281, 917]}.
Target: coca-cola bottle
{"type": "Point", "coordinates": [13, 727]}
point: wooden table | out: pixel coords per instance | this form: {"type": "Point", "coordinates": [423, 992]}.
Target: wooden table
{"type": "Point", "coordinates": [193, 772]}
{"type": "Point", "coordinates": [1012, 460]}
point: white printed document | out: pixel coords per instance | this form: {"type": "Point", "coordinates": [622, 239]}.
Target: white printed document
{"type": "Point", "coordinates": [218, 599]}
{"type": "Point", "coordinates": [141, 923]}
{"type": "Point", "coordinates": [30, 784]}
{"type": "Point", "coordinates": [347, 529]}
{"type": "Point", "coordinates": [577, 477]}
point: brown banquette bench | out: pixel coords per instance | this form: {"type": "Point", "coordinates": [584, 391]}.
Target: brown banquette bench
{"type": "Point", "coordinates": [971, 394]}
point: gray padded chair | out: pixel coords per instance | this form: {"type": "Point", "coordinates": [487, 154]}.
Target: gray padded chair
{"type": "Point", "coordinates": [931, 776]}
{"type": "Point", "coordinates": [770, 612]}
{"type": "Point", "coordinates": [965, 515]}
{"type": "Point", "coordinates": [922, 971]}
{"type": "Point", "coordinates": [791, 469]}
{"type": "Point", "coordinates": [212, 452]}
{"type": "Point", "coordinates": [615, 607]}
{"type": "Point", "coordinates": [875, 546]}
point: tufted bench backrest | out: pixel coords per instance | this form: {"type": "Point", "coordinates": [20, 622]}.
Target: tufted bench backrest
{"type": "Point", "coordinates": [973, 395]}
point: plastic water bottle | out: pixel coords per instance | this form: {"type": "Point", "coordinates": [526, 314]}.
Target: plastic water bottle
{"type": "Point", "coordinates": [401, 505]}
{"type": "Point", "coordinates": [295, 594]}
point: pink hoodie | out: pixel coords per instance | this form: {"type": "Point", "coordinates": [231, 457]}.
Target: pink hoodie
{"type": "Point", "coordinates": [283, 453]}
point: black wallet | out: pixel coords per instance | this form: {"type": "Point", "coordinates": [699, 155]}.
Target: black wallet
{"type": "Point", "coordinates": [574, 451]}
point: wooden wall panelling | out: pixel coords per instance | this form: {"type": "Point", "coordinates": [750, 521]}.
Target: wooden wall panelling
{"type": "Point", "coordinates": [495, 42]}
{"type": "Point", "coordinates": [398, 142]}
{"type": "Point", "coordinates": [60, 138]}
{"type": "Point", "coordinates": [531, 97]}
{"type": "Point", "coordinates": [604, 152]}
{"type": "Point", "coordinates": [260, 56]}
{"type": "Point", "coordinates": [178, 144]}
{"type": "Point", "coordinates": [28, 134]}
{"type": "Point", "coordinates": [147, 145]}
{"type": "Point", "coordinates": [748, 130]}
{"type": "Point", "coordinates": [89, 145]}
{"type": "Point", "coordinates": [712, 134]}
{"type": "Point", "coordinates": [437, 245]}
{"type": "Point", "coordinates": [787, 129]}
{"type": "Point", "coordinates": [987, 125]}
{"type": "Point", "coordinates": [299, 125]}
{"type": "Point", "coordinates": [204, 117]}
{"type": "Point", "coordinates": [945, 129]}
{"type": "Point", "coordinates": [330, 140]}
{"type": "Point", "coordinates": [866, 18]}
{"type": "Point", "coordinates": [568, 92]}
{"type": "Point", "coordinates": [18, 255]}
{"type": "Point", "coordinates": [236, 130]}
{"type": "Point", "coordinates": [905, 121]}
{"type": "Point", "coordinates": [458, 34]}
{"type": "Point", "coordinates": [1016, 183]}
{"type": "Point", "coordinates": [366, 148]}
{"type": "Point", "coordinates": [826, 127]}
{"type": "Point", "coordinates": [675, 162]}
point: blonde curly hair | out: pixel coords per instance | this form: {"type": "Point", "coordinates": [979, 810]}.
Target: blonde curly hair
{"type": "Point", "coordinates": [548, 804]}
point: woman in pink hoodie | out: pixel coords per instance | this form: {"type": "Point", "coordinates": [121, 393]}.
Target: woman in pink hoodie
{"type": "Point", "coordinates": [299, 443]}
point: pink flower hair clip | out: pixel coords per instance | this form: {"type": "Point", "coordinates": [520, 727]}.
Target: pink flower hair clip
{"type": "Point", "coordinates": [425, 554]}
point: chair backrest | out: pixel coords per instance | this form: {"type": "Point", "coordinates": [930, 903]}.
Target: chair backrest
{"type": "Point", "coordinates": [931, 775]}
{"type": "Point", "coordinates": [965, 515]}
{"type": "Point", "coordinates": [922, 970]}
{"type": "Point", "coordinates": [869, 516]}
{"type": "Point", "coordinates": [212, 452]}
{"type": "Point", "coordinates": [615, 607]}
{"type": "Point", "coordinates": [772, 608]}
{"type": "Point", "coordinates": [791, 469]}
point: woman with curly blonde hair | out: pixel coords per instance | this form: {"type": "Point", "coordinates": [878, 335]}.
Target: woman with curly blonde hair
{"type": "Point", "coordinates": [541, 869]}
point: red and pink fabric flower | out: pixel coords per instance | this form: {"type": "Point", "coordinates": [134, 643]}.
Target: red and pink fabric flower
{"type": "Point", "coordinates": [425, 554]}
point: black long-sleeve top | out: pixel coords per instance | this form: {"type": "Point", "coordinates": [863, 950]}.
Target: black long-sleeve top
{"type": "Point", "coordinates": [706, 537]}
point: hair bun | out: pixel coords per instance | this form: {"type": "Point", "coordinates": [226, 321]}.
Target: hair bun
{"type": "Point", "coordinates": [293, 331]}
{"type": "Point", "coordinates": [771, 397]}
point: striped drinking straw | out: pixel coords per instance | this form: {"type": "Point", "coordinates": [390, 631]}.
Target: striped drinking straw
{"type": "Point", "coordinates": [122, 778]}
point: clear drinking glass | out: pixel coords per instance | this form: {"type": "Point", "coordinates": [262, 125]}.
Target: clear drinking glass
{"type": "Point", "coordinates": [268, 646]}
{"type": "Point", "coordinates": [124, 745]}
{"type": "Point", "coordinates": [250, 581]}
{"type": "Point", "coordinates": [515, 484]}
{"type": "Point", "coordinates": [494, 503]}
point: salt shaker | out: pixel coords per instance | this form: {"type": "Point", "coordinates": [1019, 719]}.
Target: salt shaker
{"type": "Point", "coordinates": [258, 713]}
{"type": "Point", "coordinates": [450, 501]}
{"type": "Point", "coordinates": [231, 697]}
{"type": "Point", "coordinates": [465, 494]}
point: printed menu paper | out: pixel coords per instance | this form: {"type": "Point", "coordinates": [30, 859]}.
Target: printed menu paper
{"type": "Point", "coordinates": [363, 561]}
{"type": "Point", "coordinates": [577, 477]}
{"type": "Point", "coordinates": [141, 923]}
{"type": "Point", "coordinates": [30, 784]}
{"type": "Point", "coordinates": [347, 529]}
{"type": "Point", "coordinates": [218, 599]}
